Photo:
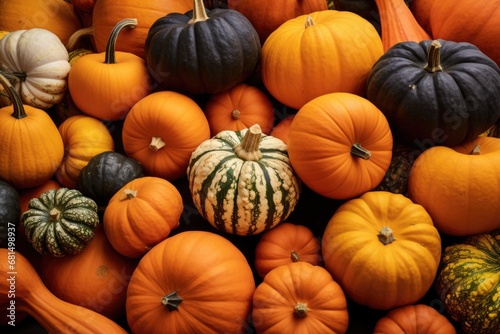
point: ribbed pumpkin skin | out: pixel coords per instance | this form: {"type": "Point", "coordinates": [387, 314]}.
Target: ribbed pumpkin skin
{"type": "Point", "coordinates": [70, 231]}
{"type": "Point", "coordinates": [9, 213]}
{"type": "Point", "coordinates": [468, 283]}
{"type": "Point", "coordinates": [239, 196]}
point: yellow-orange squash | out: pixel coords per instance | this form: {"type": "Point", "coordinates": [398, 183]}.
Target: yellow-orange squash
{"type": "Point", "coordinates": [383, 250]}
{"type": "Point", "coordinates": [459, 186]}
{"type": "Point", "coordinates": [340, 145]}
{"type": "Point", "coordinates": [141, 214]}
{"type": "Point", "coordinates": [322, 52]}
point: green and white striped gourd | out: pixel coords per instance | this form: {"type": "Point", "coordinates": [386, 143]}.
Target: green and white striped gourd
{"type": "Point", "coordinates": [242, 182]}
{"type": "Point", "coordinates": [60, 221]}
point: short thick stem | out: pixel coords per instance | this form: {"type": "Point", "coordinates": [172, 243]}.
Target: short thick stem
{"type": "Point", "coordinates": [386, 235]}
{"type": "Point", "coordinates": [54, 214]}
{"type": "Point", "coordinates": [128, 194]}
{"type": "Point", "coordinates": [235, 114]}
{"type": "Point", "coordinates": [476, 150]}
{"type": "Point", "coordinates": [309, 22]}
{"type": "Point", "coordinates": [434, 57]}
{"type": "Point", "coordinates": [359, 151]}
{"type": "Point", "coordinates": [172, 301]}
{"type": "Point", "coordinates": [294, 256]}
{"type": "Point", "coordinates": [199, 12]}
{"type": "Point", "coordinates": [156, 143]}
{"type": "Point", "coordinates": [248, 149]}
{"type": "Point", "coordinates": [300, 310]}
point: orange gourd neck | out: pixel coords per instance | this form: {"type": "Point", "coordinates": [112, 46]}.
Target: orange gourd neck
{"type": "Point", "coordinates": [17, 103]}
{"type": "Point", "coordinates": [434, 57]}
{"type": "Point", "coordinates": [110, 54]}
{"type": "Point", "coordinates": [248, 149]}
{"type": "Point", "coordinates": [397, 23]}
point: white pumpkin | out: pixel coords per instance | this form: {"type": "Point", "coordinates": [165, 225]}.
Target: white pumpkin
{"type": "Point", "coordinates": [36, 62]}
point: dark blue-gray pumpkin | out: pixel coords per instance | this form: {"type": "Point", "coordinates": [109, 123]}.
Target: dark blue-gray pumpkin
{"type": "Point", "coordinates": [10, 212]}
{"type": "Point", "coordinates": [436, 92]}
{"type": "Point", "coordinates": [202, 51]}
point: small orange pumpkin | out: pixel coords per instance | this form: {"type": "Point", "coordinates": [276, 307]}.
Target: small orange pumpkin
{"type": "Point", "coordinates": [414, 319]}
{"type": "Point", "coordinates": [239, 108]}
{"type": "Point", "coordinates": [286, 243]}
{"type": "Point", "coordinates": [83, 137]}
{"type": "Point", "coordinates": [340, 145]}
{"type": "Point", "coordinates": [299, 298]}
{"type": "Point", "coordinates": [141, 214]}
{"type": "Point", "coordinates": [281, 129]}
{"type": "Point", "coordinates": [162, 130]}
{"type": "Point", "coordinates": [97, 278]}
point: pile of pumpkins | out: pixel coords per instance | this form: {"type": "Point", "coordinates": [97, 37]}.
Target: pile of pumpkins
{"type": "Point", "coordinates": [122, 123]}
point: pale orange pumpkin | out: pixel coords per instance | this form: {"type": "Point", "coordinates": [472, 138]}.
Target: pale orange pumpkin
{"type": "Point", "coordinates": [97, 278]}
{"type": "Point", "coordinates": [286, 243]}
{"type": "Point", "coordinates": [340, 145]}
{"type": "Point", "coordinates": [299, 298]}
{"type": "Point", "coordinates": [162, 130]}
{"type": "Point", "coordinates": [319, 53]}
{"type": "Point", "coordinates": [239, 108]}
{"type": "Point", "coordinates": [83, 137]}
{"type": "Point", "coordinates": [141, 214]}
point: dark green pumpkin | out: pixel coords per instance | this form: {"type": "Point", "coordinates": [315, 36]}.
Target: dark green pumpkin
{"type": "Point", "coordinates": [60, 222]}
{"type": "Point", "coordinates": [9, 213]}
{"type": "Point", "coordinates": [105, 174]}
{"type": "Point", "coordinates": [436, 92]}
{"type": "Point", "coordinates": [202, 51]}
{"type": "Point", "coordinates": [468, 282]}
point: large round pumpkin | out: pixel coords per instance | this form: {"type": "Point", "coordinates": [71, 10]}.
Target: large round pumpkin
{"type": "Point", "coordinates": [162, 130]}
{"type": "Point", "coordinates": [299, 298]}
{"type": "Point", "coordinates": [141, 214]}
{"type": "Point", "coordinates": [340, 145]}
{"type": "Point", "coordinates": [459, 186]}
{"type": "Point", "coordinates": [202, 51]}
{"type": "Point", "coordinates": [383, 250]}
{"type": "Point", "coordinates": [468, 283]}
{"type": "Point", "coordinates": [192, 282]}
{"type": "Point", "coordinates": [322, 52]}
{"type": "Point", "coordinates": [436, 92]}
{"type": "Point", "coordinates": [242, 182]}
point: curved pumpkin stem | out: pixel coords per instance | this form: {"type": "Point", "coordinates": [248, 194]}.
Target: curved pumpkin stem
{"type": "Point", "coordinates": [110, 47]}
{"type": "Point", "coordinates": [17, 103]}
{"type": "Point", "coordinates": [434, 57]}
{"type": "Point", "coordinates": [199, 12]}
{"type": "Point", "coordinates": [172, 301]}
{"type": "Point", "coordinates": [248, 149]}
{"type": "Point", "coordinates": [77, 35]}
{"type": "Point", "coordinates": [359, 151]}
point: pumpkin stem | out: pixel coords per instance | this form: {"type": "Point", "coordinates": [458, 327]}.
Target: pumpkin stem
{"type": "Point", "coordinates": [109, 57]}
{"type": "Point", "coordinates": [248, 149]}
{"type": "Point", "coordinates": [199, 12]}
{"type": "Point", "coordinates": [300, 310]}
{"type": "Point", "coordinates": [172, 301]}
{"type": "Point", "coordinates": [236, 114]}
{"type": "Point", "coordinates": [54, 214]}
{"type": "Point", "coordinates": [17, 103]}
{"type": "Point", "coordinates": [156, 143]}
{"type": "Point", "coordinates": [476, 150]}
{"type": "Point", "coordinates": [128, 194]}
{"type": "Point", "coordinates": [385, 235]}
{"type": "Point", "coordinates": [294, 256]}
{"type": "Point", "coordinates": [360, 152]}
{"type": "Point", "coordinates": [77, 35]}
{"type": "Point", "coordinates": [434, 57]}
{"type": "Point", "coordinates": [309, 22]}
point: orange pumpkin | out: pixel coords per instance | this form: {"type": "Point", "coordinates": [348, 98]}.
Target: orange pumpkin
{"type": "Point", "coordinates": [83, 137]}
{"type": "Point", "coordinates": [107, 84]}
{"type": "Point", "coordinates": [398, 24]}
{"type": "Point", "coordinates": [57, 16]}
{"type": "Point", "coordinates": [281, 129]}
{"type": "Point", "coordinates": [32, 147]}
{"type": "Point", "coordinates": [340, 145]}
{"type": "Point", "coordinates": [161, 132]}
{"type": "Point", "coordinates": [319, 53]}
{"type": "Point", "coordinates": [192, 282]}
{"type": "Point", "coordinates": [299, 298]}
{"type": "Point", "coordinates": [421, 10]}
{"type": "Point", "coordinates": [33, 297]}
{"type": "Point", "coordinates": [284, 244]}
{"type": "Point", "coordinates": [107, 13]}
{"type": "Point", "coordinates": [414, 319]}
{"type": "Point", "coordinates": [141, 214]}
{"type": "Point", "coordinates": [97, 278]}
{"type": "Point", "coordinates": [458, 186]}
{"type": "Point", "coordinates": [239, 108]}
{"type": "Point", "coordinates": [382, 249]}
{"type": "Point", "coordinates": [267, 16]}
